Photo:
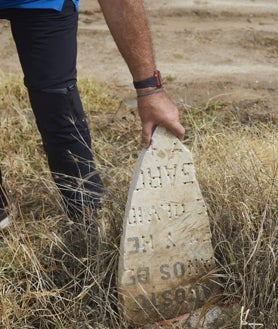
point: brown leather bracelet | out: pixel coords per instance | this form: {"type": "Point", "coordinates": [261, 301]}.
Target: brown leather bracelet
{"type": "Point", "coordinates": [151, 92]}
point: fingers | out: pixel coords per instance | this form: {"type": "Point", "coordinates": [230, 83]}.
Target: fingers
{"type": "Point", "coordinates": [147, 130]}
{"type": "Point", "coordinates": [176, 129]}
{"type": "Point", "coordinates": [156, 110]}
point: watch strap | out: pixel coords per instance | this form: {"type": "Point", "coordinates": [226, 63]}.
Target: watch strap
{"type": "Point", "coordinates": [153, 81]}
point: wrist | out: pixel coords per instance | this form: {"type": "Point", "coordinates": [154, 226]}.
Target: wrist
{"type": "Point", "coordinates": [145, 90]}
{"type": "Point", "coordinates": [153, 81]}
{"type": "Point", "coordinates": [149, 91]}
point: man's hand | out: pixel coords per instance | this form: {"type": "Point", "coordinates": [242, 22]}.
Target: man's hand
{"type": "Point", "coordinates": [155, 110]}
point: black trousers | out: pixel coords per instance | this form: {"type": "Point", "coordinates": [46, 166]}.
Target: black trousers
{"type": "Point", "coordinates": [47, 48]}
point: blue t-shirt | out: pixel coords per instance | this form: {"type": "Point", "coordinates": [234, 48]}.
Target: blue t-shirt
{"type": "Point", "coordinates": [35, 4]}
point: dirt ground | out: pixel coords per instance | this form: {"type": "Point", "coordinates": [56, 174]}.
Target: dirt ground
{"type": "Point", "coordinates": [206, 50]}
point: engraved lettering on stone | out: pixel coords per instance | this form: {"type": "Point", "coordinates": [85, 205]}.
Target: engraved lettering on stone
{"type": "Point", "coordinates": [153, 214]}
{"type": "Point", "coordinates": [164, 270]}
{"type": "Point", "coordinates": [135, 215]}
{"type": "Point", "coordinates": [179, 296]}
{"type": "Point", "coordinates": [176, 148]}
{"type": "Point", "coordinates": [170, 297]}
{"type": "Point", "coordinates": [165, 248]}
{"type": "Point", "coordinates": [143, 244]}
{"type": "Point", "coordinates": [171, 172]}
{"type": "Point", "coordinates": [143, 275]}
{"type": "Point", "coordinates": [187, 173]}
{"type": "Point", "coordinates": [179, 270]}
{"type": "Point", "coordinates": [159, 177]}
{"type": "Point", "coordinates": [140, 183]}
{"type": "Point", "coordinates": [147, 243]}
{"type": "Point", "coordinates": [135, 245]}
{"type": "Point", "coordinates": [170, 243]}
{"type": "Point", "coordinates": [174, 210]}
{"type": "Point", "coordinates": [140, 303]}
{"type": "Point", "coordinates": [166, 297]}
{"type": "Point", "coordinates": [153, 177]}
{"type": "Point", "coordinates": [153, 300]}
{"type": "Point", "coordinates": [132, 279]}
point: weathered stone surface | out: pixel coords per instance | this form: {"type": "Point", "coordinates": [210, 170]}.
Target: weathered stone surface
{"type": "Point", "coordinates": [166, 249]}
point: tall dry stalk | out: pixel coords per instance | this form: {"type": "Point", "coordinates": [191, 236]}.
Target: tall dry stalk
{"type": "Point", "coordinates": [56, 274]}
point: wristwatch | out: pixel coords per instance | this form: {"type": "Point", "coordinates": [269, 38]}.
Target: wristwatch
{"type": "Point", "coordinates": [153, 81]}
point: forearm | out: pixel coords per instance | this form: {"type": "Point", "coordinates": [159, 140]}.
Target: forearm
{"type": "Point", "coordinates": [127, 22]}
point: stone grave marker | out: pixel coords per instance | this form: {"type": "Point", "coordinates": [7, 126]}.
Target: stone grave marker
{"type": "Point", "coordinates": [166, 251]}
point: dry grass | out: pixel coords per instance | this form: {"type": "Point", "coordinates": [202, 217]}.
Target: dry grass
{"type": "Point", "coordinates": [54, 275]}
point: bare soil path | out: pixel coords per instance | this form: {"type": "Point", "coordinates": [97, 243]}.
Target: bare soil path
{"type": "Point", "coordinates": [205, 49]}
